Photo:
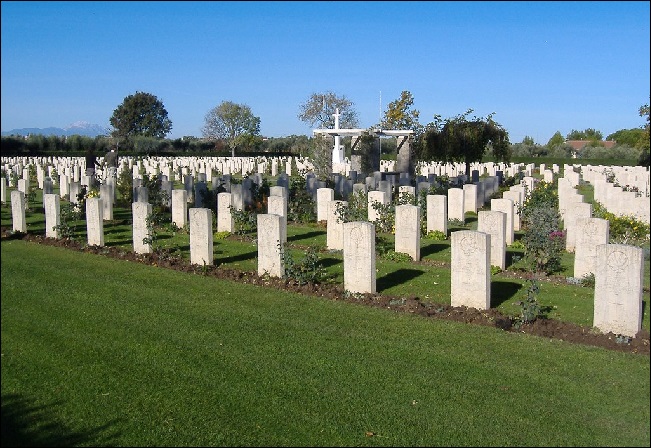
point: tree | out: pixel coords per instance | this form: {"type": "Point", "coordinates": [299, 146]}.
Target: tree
{"type": "Point", "coordinates": [398, 115]}
{"type": "Point", "coordinates": [631, 137]}
{"type": "Point", "coordinates": [556, 140]}
{"type": "Point", "coordinates": [321, 157]}
{"type": "Point", "coordinates": [645, 157]}
{"type": "Point", "coordinates": [588, 134]}
{"type": "Point", "coordinates": [644, 112]}
{"type": "Point", "coordinates": [462, 140]}
{"type": "Point", "coordinates": [140, 114]}
{"type": "Point", "coordinates": [527, 140]}
{"type": "Point", "coordinates": [320, 107]}
{"type": "Point", "coordinates": [232, 122]}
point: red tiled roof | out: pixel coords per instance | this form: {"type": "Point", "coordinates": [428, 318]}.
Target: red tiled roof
{"type": "Point", "coordinates": [579, 144]}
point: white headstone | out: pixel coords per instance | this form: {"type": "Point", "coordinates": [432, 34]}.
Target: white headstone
{"type": "Point", "coordinates": [494, 224]}
{"type": "Point", "coordinates": [18, 211]}
{"type": "Point", "coordinates": [201, 238]}
{"type": "Point", "coordinates": [618, 289]}
{"type": "Point", "coordinates": [590, 232]}
{"type": "Point", "coordinates": [52, 206]}
{"type": "Point", "coordinates": [456, 207]}
{"type": "Point", "coordinates": [141, 233]}
{"type": "Point", "coordinates": [470, 269]}
{"type": "Point", "coordinates": [437, 213]}
{"type": "Point", "coordinates": [270, 260]}
{"type": "Point", "coordinates": [95, 221]}
{"type": "Point", "coordinates": [277, 205]}
{"type": "Point", "coordinates": [407, 237]}
{"type": "Point", "coordinates": [179, 208]}
{"type": "Point", "coordinates": [359, 257]}
{"type": "Point", "coordinates": [335, 227]}
{"type": "Point", "coordinates": [323, 198]}
{"type": "Point", "coordinates": [225, 220]}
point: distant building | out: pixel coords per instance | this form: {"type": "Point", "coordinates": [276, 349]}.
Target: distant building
{"type": "Point", "coordinates": [578, 145]}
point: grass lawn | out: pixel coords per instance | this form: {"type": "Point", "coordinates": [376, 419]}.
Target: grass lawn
{"type": "Point", "coordinates": [97, 351]}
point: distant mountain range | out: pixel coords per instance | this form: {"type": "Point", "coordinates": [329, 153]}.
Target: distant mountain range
{"type": "Point", "coordinates": [77, 128]}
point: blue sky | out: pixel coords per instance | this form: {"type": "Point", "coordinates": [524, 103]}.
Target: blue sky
{"type": "Point", "coordinates": [540, 67]}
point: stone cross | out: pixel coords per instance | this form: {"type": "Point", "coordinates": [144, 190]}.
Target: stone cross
{"type": "Point", "coordinates": [337, 151]}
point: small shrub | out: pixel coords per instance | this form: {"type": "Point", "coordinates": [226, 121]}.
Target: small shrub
{"type": "Point", "coordinates": [436, 235]}
{"type": "Point", "coordinates": [396, 256]}
{"type": "Point", "coordinates": [623, 229]}
{"type": "Point", "coordinates": [124, 186]}
{"type": "Point", "coordinates": [301, 208]}
{"type": "Point", "coordinates": [69, 215]}
{"type": "Point", "coordinates": [530, 308]}
{"type": "Point", "coordinates": [308, 270]}
{"type": "Point", "coordinates": [154, 223]}
{"type": "Point", "coordinates": [386, 217]}
{"type": "Point", "coordinates": [456, 223]}
{"type": "Point", "coordinates": [495, 270]}
{"type": "Point", "coordinates": [543, 242]}
{"type": "Point", "coordinates": [588, 280]}
{"type": "Point", "coordinates": [246, 221]}
{"type": "Point", "coordinates": [355, 209]}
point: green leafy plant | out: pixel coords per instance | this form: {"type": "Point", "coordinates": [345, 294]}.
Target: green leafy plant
{"type": "Point", "coordinates": [246, 221]}
{"type": "Point", "coordinates": [623, 229]}
{"type": "Point", "coordinates": [436, 235]}
{"type": "Point", "coordinates": [386, 216]}
{"type": "Point", "coordinates": [530, 307]}
{"type": "Point", "coordinates": [154, 222]}
{"type": "Point", "coordinates": [495, 270]}
{"type": "Point", "coordinates": [13, 178]}
{"type": "Point", "coordinates": [30, 200]}
{"type": "Point", "coordinates": [307, 270]}
{"type": "Point", "coordinates": [355, 209]}
{"type": "Point", "coordinates": [396, 256]}
{"type": "Point", "coordinates": [588, 280]}
{"type": "Point", "coordinates": [301, 208]}
{"type": "Point", "coordinates": [544, 242]}
{"type": "Point", "coordinates": [124, 186]}
{"type": "Point", "coordinates": [69, 215]}
{"type": "Point", "coordinates": [455, 222]}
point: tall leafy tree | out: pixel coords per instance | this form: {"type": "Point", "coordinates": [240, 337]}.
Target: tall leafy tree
{"type": "Point", "coordinates": [631, 137]}
{"type": "Point", "coordinates": [140, 114]}
{"type": "Point", "coordinates": [556, 140]}
{"type": "Point", "coordinates": [460, 139]}
{"type": "Point", "coordinates": [588, 134]}
{"type": "Point", "coordinates": [232, 122]}
{"type": "Point", "coordinates": [399, 114]}
{"type": "Point", "coordinates": [318, 111]}
{"type": "Point", "coordinates": [645, 157]}
{"type": "Point", "coordinates": [644, 112]}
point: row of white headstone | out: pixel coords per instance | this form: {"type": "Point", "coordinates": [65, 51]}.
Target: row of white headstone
{"type": "Point", "coordinates": [618, 269]}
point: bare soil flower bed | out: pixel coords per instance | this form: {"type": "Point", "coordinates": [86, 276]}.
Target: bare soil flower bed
{"type": "Point", "coordinates": [542, 327]}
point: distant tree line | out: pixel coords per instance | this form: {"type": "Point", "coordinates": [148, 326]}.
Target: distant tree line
{"type": "Point", "coordinates": [140, 124]}
{"type": "Point", "coordinates": [77, 145]}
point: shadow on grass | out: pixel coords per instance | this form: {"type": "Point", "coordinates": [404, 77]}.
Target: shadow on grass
{"type": "Point", "coordinates": [432, 248]}
{"type": "Point", "coordinates": [304, 236]}
{"type": "Point", "coordinates": [234, 258]}
{"type": "Point", "coordinates": [502, 291]}
{"type": "Point", "coordinates": [330, 261]}
{"type": "Point", "coordinates": [27, 424]}
{"type": "Point", "coordinates": [118, 243]}
{"type": "Point", "coordinates": [396, 278]}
